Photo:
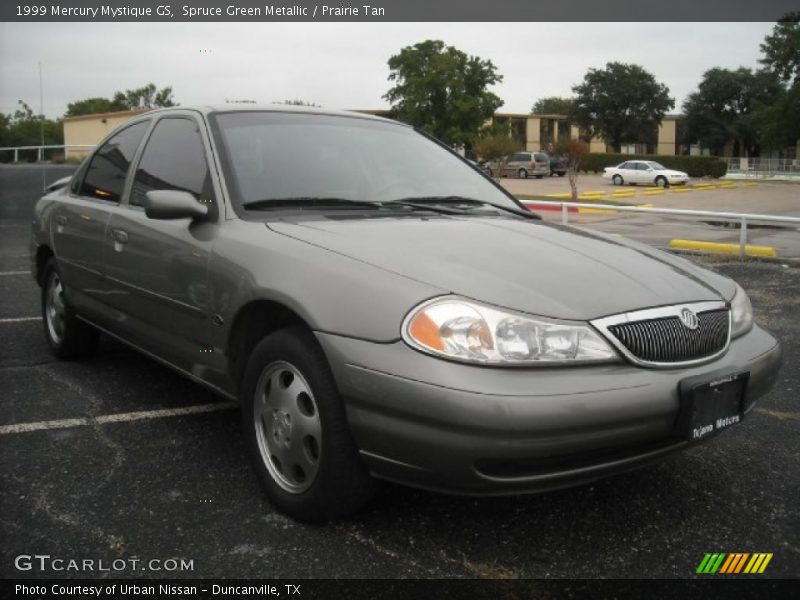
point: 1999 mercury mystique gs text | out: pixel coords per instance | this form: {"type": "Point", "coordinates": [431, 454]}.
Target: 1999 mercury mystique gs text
{"type": "Point", "coordinates": [383, 309]}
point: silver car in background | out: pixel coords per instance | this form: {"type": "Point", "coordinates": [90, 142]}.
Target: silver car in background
{"type": "Point", "coordinates": [390, 314]}
{"type": "Point", "coordinates": [522, 165]}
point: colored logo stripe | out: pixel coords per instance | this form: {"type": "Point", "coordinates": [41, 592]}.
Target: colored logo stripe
{"type": "Point", "coordinates": [734, 563]}
{"type": "Point", "coordinates": [758, 563]}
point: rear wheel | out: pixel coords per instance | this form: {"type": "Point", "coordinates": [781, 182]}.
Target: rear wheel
{"type": "Point", "coordinates": [67, 336]}
{"type": "Point", "coordinates": [297, 432]}
{"type": "Point", "coordinates": [523, 173]}
{"type": "Point", "coordinates": [617, 179]}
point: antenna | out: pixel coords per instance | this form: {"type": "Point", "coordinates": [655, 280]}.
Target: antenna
{"type": "Point", "coordinates": [41, 125]}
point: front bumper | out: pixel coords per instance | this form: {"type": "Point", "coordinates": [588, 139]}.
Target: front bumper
{"type": "Point", "coordinates": [466, 429]}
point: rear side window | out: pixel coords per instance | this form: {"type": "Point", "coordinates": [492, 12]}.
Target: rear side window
{"type": "Point", "coordinates": [173, 159]}
{"type": "Point", "coordinates": [105, 176]}
{"type": "Point", "coordinates": [539, 157]}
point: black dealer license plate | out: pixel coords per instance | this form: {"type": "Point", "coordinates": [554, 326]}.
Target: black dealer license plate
{"type": "Point", "coordinates": [710, 406]}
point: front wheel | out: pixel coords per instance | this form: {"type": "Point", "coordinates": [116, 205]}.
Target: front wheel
{"type": "Point", "coordinates": [662, 182]}
{"type": "Point", "coordinates": [67, 336]}
{"type": "Point", "coordinates": [297, 432]}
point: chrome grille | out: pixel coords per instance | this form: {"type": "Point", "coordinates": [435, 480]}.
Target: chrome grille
{"type": "Point", "coordinates": [668, 340]}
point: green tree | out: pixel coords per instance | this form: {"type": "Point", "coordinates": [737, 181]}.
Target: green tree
{"type": "Point", "coordinates": [494, 143]}
{"type": "Point", "coordinates": [777, 122]}
{"type": "Point", "coordinates": [552, 105]}
{"type": "Point", "coordinates": [574, 152]}
{"type": "Point", "coordinates": [722, 109]}
{"type": "Point", "coordinates": [147, 96]}
{"type": "Point", "coordinates": [92, 106]}
{"type": "Point", "coordinates": [24, 128]}
{"type": "Point", "coordinates": [443, 90]}
{"type": "Point", "coordinates": [782, 49]}
{"type": "Point", "coordinates": [622, 103]}
{"type": "Point", "coordinates": [297, 102]}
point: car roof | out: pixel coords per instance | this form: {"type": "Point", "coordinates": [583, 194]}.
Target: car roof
{"type": "Point", "coordinates": [208, 109]}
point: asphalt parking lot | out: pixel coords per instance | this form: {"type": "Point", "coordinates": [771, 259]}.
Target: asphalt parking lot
{"type": "Point", "coordinates": [174, 481]}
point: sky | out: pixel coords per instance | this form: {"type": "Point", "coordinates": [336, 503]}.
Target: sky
{"type": "Point", "coordinates": [343, 65]}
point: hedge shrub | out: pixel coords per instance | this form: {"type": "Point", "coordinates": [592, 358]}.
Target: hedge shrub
{"type": "Point", "coordinates": [695, 166]}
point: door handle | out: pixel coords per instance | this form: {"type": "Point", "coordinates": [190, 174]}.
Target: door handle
{"type": "Point", "coordinates": [119, 236]}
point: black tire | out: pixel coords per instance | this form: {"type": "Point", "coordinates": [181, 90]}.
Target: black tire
{"type": "Point", "coordinates": [523, 173]}
{"type": "Point", "coordinates": [489, 172]}
{"type": "Point", "coordinates": [67, 336]}
{"type": "Point", "coordinates": [662, 182]}
{"type": "Point", "coordinates": [617, 179]}
{"type": "Point", "coordinates": [539, 176]}
{"type": "Point", "coordinates": [562, 173]}
{"type": "Point", "coordinates": [341, 484]}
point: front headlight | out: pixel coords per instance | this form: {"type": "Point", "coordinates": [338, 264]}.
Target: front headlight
{"type": "Point", "coordinates": [741, 313]}
{"type": "Point", "coordinates": [467, 331]}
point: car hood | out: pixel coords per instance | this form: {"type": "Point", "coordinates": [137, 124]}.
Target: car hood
{"type": "Point", "coordinates": [529, 266]}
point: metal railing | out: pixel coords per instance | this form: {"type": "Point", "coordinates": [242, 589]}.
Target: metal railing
{"type": "Point", "coordinates": [40, 150]}
{"type": "Point", "coordinates": [742, 218]}
{"type": "Point", "coordinates": [763, 167]}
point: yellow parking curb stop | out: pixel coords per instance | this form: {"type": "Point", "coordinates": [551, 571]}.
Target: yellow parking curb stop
{"type": "Point", "coordinates": [768, 251]}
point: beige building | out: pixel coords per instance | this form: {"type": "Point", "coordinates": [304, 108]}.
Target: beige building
{"type": "Point", "coordinates": [88, 130]}
{"type": "Point", "coordinates": [533, 132]}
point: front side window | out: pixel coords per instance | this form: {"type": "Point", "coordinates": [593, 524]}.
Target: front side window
{"type": "Point", "coordinates": [105, 176]}
{"type": "Point", "coordinates": [173, 159]}
{"type": "Point", "coordinates": [275, 156]}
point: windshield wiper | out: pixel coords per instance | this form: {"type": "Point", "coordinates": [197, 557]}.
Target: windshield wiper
{"type": "Point", "coordinates": [429, 202]}
{"type": "Point", "coordinates": [308, 201]}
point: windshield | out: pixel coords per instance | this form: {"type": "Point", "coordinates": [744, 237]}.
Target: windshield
{"type": "Point", "coordinates": [656, 166]}
{"type": "Point", "coordinates": [285, 156]}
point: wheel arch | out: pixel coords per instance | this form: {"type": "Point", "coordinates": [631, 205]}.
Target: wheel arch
{"type": "Point", "coordinates": [252, 323]}
{"type": "Point", "coordinates": [43, 254]}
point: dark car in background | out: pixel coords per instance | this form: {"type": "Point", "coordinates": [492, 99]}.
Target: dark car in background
{"type": "Point", "coordinates": [558, 166]}
{"type": "Point", "coordinates": [389, 314]}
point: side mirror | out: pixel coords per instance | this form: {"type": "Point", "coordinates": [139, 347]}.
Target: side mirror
{"type": "Point", "coordinates": [173, 204]}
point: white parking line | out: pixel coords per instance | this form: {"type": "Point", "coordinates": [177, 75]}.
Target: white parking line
{"type": "Point", "coordinates": [117, 418]}
{"type": "Point", "coordinates": [20, 319]}
{"type": "Point", "coordinates": [14, 273]}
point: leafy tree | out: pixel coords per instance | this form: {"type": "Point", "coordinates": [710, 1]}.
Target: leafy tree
{"type": "Point", "coordinates": [782, 49]}
{"type": "Point", "coordinates": [622, 103]}
{"type": "Point", "coordinates": [92, 106]}
{"type": "Point", "coordinates": [777, 122]}
{"type": "Point", "coordinates": [443, 90]}
{"type": "Point", "coordinates": [575, 152]}
{"type": "Point", "coordinates": [147, 96]}
{"type": "Point", "coordinates": [722, 108]}
{"type": "Point", "coordinates": [552, 105]}
{"type": "Point", "coordinates": [777, 125]}
{"type": "Point", "coordinates": [24, 128]}
{"type": "Point", "coordinates": [297, 102]}
{"type": "Point", "coordinates": [493, 144]}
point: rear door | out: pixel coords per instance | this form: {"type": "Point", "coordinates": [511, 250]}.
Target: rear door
{"type": "Point", "coordinates": [79, 222]}
{"type": "Point", "coordinates": [157, 269]}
